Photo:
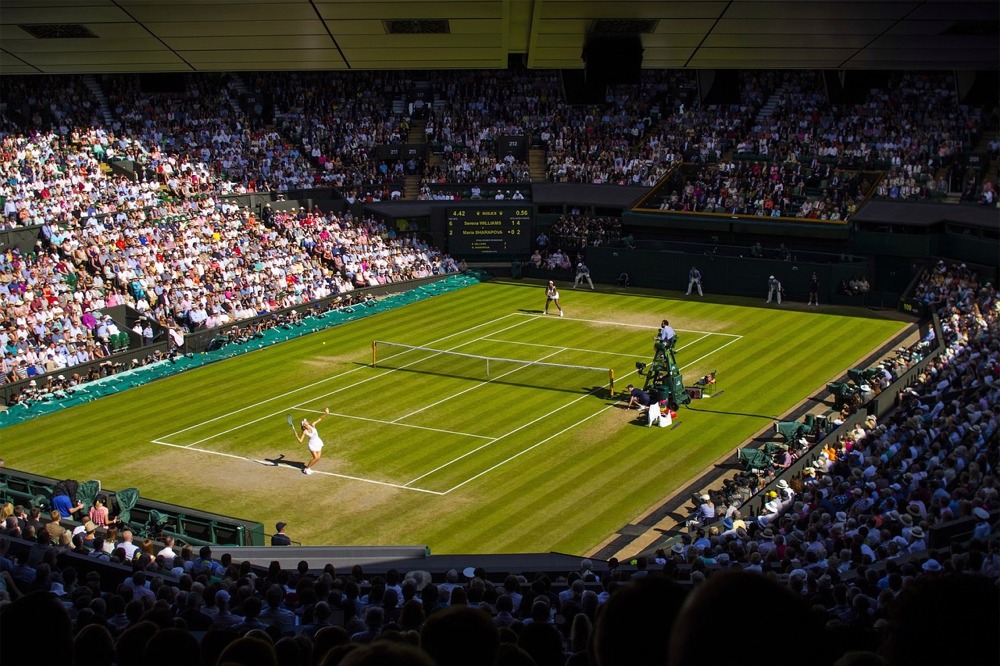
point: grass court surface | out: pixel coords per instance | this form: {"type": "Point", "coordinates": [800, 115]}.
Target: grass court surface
{"type": "Point", "coordinates": [428, 448]}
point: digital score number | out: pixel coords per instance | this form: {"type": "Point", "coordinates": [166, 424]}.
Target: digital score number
{"type": "Point", "coordinates": [497, 230]}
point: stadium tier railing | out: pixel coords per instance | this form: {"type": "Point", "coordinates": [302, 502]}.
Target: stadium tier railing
{"type": "Point", "coordinates": [879, 406]}
{"type": "Point", "coordinates": [148, 518]}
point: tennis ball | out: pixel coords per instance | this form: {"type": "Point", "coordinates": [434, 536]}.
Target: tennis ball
{"type": "Point", "coordinates": [324, 342]}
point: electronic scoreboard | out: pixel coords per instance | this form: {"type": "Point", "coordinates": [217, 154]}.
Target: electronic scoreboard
{"type": "Point", "coordinates": [487, 230]}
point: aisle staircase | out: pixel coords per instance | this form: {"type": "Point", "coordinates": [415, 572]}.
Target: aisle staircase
{"type": "Point", "coordinates": [411, 188]}
{"type": "Point", "coordinates": [417, 132]}
{"type": "Point", "coordinates": [992, 172]}
{"type": "Point", "coordinates": [771, 105]}
{"type": "Point", "coordinates": [237, 91]}
{"type": "Point", "coordinates": [94, 86]}
{"type": "Point", "coordinates": [536, 165]}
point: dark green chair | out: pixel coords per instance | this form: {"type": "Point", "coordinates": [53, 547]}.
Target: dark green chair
{"type": "Point", "coordinates": [790, 430]}
{"type": "Point", "coordinates": [753, 460]}
{"type": "Point", "coordinates": [127, 499]}
{"type": "Point", "coordinates": [87, 492]}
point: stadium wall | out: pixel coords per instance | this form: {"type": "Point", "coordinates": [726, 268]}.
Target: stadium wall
{"type": "Point", "coordinates": [738, 276]}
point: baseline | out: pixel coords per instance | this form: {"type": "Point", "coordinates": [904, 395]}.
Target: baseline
{"type": "Point", "coordinates": [317, 471]}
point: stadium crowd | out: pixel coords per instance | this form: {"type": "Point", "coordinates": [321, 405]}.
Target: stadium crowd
{"type": "Point", "coordinates": [769, 190]}
{"type": "Point", "coordinates": [820, 159]}
{"type": "Point", "coordinates": [341, 129]}
{"type": "Point", "coordinates": [203, 140]}
{"type": "Point", "coordinates": [843, 547]}
{"type": "Point", "coordinates": [844, 552]}
{"type": "Point", "coordinates": [187, 265]}
{"type": "Point", "coordinates": [913, 122]}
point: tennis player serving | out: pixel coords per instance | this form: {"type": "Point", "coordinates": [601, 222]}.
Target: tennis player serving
{"type": "Point", "coordinates": [315, 442]}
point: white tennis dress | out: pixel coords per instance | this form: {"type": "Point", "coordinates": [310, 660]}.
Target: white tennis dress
{"type": "Point", "coordinates": [315, 442]}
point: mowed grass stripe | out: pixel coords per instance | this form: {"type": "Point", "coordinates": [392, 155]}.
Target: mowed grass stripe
{"type": "Point", "coordinates": [578, 478]}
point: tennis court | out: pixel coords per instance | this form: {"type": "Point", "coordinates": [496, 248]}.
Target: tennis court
{"type": "Point", "coordinates": [422, 417]}
{"type": "Point", "coordinates": [435, 455]}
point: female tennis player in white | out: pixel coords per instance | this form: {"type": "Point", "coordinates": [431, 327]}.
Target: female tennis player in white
{"type": "Point", "coordinates": [315, 442]}
{"type": "Point", "coordinates": [552, 296]}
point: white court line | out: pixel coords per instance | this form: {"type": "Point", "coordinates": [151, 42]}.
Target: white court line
{"type": "Point", "coordinates": [316, 471]}
{"type": "Point", "coordinates": [407, 486]}
{"type": "Point", "coordinates": [521, 453]}
{"type": "Point", "coordinates": [588, 351]}
{"type": "Point", "coordinates": [576, 349]}
{"type": "Point", "coordinates": [547, 438]}
{"type": "Point", "coordinates": [618, 323]}
{"type": "Point", "coordinates": [517, 429]}
{"type": "Point", "coordinates": [712, 352]}
{"type": "Point", "coordinates": [401, 425]}
{"type": "Point", "coordinates": [334, 392]}
{"type": "Point", "coordinates": [471, 388]}
{"type": "Point", "coordinates": [317, 383]}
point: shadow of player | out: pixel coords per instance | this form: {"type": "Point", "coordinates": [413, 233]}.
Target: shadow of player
{"type": "Point", "coordinates": [280, 461]}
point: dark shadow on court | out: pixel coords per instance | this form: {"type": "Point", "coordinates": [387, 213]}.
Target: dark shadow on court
{"type": "Point", "coordinates": [280, 460]}
{"type": "Point", "coordinates": [526, 311]}
{"type": "Point", "coordinates": [721, 413]}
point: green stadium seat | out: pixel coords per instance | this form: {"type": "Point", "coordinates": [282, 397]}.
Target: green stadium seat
{"type": "Point", "coordinates": [753, 460]}
{"type": "Point", "coordinates": [790, 430]}
{"type": "Point", "coordinates": [127, 498]}
{"type": "Point", "coordinates": [88, 492]}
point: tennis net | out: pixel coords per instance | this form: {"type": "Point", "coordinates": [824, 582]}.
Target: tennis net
{"type": "Point", "coordinates": [517, 372]}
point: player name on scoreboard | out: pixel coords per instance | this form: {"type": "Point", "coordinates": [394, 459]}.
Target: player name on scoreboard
{"type": "Point", "coordinates": [491, 230]}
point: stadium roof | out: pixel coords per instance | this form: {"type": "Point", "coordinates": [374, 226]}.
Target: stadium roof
{"type": "Point", "coordinates": [92, 36]}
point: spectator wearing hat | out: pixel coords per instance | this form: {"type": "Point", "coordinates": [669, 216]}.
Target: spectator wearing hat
{"type": "Point", "coordinates": [704, 513]}
{"type": "Point", "coordinates": [773, 289]}
{"type": "Point", "coordinates": [280, 538]}
{"type": "Point", "coordinates": [88, 532]}
{"type": "Point", "coordinates": [917, 543]}
{"type": "Point", "coordinates": [982, 530]}
{"type": "Point", "coordinates": [768, 543]}
{"type": "Point", "coordinates": [932, 566]}
{"type": "Point", "coordinates": [771, 510]}
{"type": "Point", "coordinates": [223, 617]}
{"type": "Point", "coordinates": [785, 492]}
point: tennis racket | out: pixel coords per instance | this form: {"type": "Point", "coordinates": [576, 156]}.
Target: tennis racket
{"type": "Point", "coordinates": [290, 422]}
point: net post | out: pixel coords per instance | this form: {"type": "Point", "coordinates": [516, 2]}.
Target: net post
{"type": "Point", "coordinates": [374, 353]}
{"type": "Point", "coordinates": [611, 380]}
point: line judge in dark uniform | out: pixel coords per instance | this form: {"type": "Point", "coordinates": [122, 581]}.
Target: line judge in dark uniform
{"type": "Point", "coordinates": [280, 538]}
